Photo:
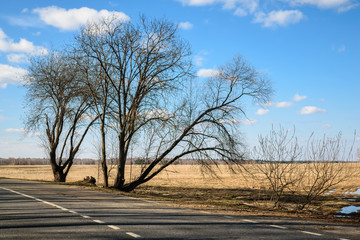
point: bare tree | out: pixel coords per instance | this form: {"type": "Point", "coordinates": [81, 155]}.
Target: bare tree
{"type": "Point", "coordinates": [58, 106]}
{"type": "Point", "coordinates": [277, 158]}
{"type": "Point", "coordinates": [98, 88]}
{"type": "Point", "coordinates": [327, 166]}
{"type": "Point", "coordinates": [308, 172]}
{"type": "Point", "coordinates": [148, 67]}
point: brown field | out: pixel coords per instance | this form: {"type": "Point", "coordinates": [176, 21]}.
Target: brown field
{"type": "Point", "coordinates": [189, 184]}
{"type": "Point", "coordinates": [185, 176]}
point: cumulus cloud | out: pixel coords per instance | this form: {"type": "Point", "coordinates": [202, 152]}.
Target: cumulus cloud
{"type": "Point", "coordinates": [311, 110]}
{"type": "Point", "coordinates": [72, 19]}
{"type": "Point", "coordinates": [298, 98]}
{"type": "Point", "coordinates": [10, 75]}
{"type": "Point", "coordinates": [263, 13]}
{"type": "Point", "coordinates": [262, 111]}
{"type": "Point", "coordinates": [207, 72]}
{"type": "Point", "coordinates": [283, 104]}
{"type": "Point", "coordinates": [185, 25]}
{"type": "Point", "coordinates": [8, 45]}
{"type": "Point", "coordinates": [278, 18]}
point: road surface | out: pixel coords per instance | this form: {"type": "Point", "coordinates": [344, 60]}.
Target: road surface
{"type": "Point", "coordinates": [35, 210]}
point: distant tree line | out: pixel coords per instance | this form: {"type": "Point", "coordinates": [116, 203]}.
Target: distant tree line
{"type": "Point", "coordinates": [41, 161]}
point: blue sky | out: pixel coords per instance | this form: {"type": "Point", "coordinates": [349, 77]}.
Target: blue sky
{"type": "Point", "coordinates": [309, 49]}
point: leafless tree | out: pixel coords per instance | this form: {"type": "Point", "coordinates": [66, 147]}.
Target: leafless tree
{"type": "Point", "coordinates": [277, 155]}
{"type": "Point", "coordinates": [58, 106]}
{"type": "Point", "coordinates": [98, 88]}
{"type": "Point", "coordinates": [154, 99]}
{"type": "Point", "coordinates": [307, 171]}
{"type": "Point", "coordinates": [327, 166]}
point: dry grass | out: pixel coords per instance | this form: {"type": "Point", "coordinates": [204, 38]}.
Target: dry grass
{"type": "Point", "coordinates": [188, 184]}
{"type": "Point", "coordinates": [184, 176]}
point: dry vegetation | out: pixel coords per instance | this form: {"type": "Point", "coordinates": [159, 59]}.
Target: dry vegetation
{"type": "Point", "coordinates": [189, 184]}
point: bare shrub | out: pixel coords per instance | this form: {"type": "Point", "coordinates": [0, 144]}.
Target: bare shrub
{"type": "Point", "coordinates": [327, 166]}
{"type": "Point", "coordinates": [277, 154]}
{"type": "Point", "coordinates": [308, 172]}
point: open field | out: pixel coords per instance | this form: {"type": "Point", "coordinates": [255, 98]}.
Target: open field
{"type": "Point", "coordinates": [186, 176]}
{"type": "Point", "coordinates": [188, 184]}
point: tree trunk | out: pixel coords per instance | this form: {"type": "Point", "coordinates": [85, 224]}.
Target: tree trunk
{"type": "Point", "coordinates": [120, 176]}
{"type": "Point", "coordinates": [105, 173]}
{"type": "Point", "coordinates": [59, 175]}
{"type": "Point", "coordinates": [103, 157]}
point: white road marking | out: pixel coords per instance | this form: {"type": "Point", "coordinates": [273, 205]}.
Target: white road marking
{"type": "Point", "coordinates": [98, 221]}
{"type": "Point", "coordinates": [84, 216]}
{"type": "Point", "coordinates": [74, 212]}
{"type": "Point", "coordinates": [149, 201]}
{"type": "Point", "coordinates": [277, 226]}
{"type": "Point", "coordinates": [250, 221]}
{"type": "Point", "coordinates": [344, 239]}
{"type": "Point", "coordinates": [113, 227]}
{"type": "Point", "coordinates": [228, 217]}
{"type": "Point", "coordinates": [312, 233]}
{"type": "Point", "coordinates": [134, 235]}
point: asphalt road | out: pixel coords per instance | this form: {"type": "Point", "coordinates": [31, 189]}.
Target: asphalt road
{"type": "Point", "coordinates": [34, 210]}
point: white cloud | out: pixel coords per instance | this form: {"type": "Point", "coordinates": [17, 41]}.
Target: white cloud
{"type": "Point", "coordinates": [311, 110]}
{"type": "Point", "coordinates": [198, 2]}
{"type": "Point", "coordinates": [230, 121]}
{"type": "Point", "coordinates": [283, 104]}
{"type": "Point", "coordinates": [238, 121]}
{"type": "Point", "coordinates": [278, 18]}
{"type": "Point", "coordinates": [17, 58]}
{"type": "Point", "coordinates": [248, 121]}
{"type": "Point", "coordinates": [246, 7]}
{"type": "Point", "coordinates": [10, 75]}
{"type": "Point", "coordinates": [249, 5]}
{"type": "Point", "coordinates": [207, 72]}
{"type": "Point", "coordinates": [240, 12]}
{"type": "Point", "coordinates": [348, 7]}
{"type": "Point", "coordinates": [72, 19]}
{"type": "Point", "coordinates": [8, 45]}
{"type": "Point", "coordinates": [15, 130]}
{"type": "Point", "coordinates": [262, 111]}
{"type": "Point", "coordinates": [298, 98]}
{"type": "Point", "coordinates": [340, 5]}
{"type": "Point", "coordinates": [157, 113]}
{"type": "Point", "coordinates": [198, 60]}
{"type": "Point", "coordinates": [185, 25]}
{"type": "Point", "coordinates": [2, 117]}
{"type": "Point", "coordinates": [267, 104]}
